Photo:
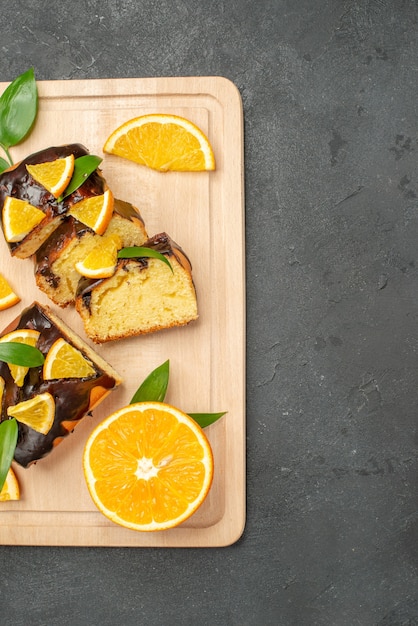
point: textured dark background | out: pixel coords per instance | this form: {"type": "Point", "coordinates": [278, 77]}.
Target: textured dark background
{"type": "Point", "coordinates": [329, 89]}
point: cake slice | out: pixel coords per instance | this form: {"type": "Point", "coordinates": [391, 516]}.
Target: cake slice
{"type": "Point", "coordinates": [143, 295]}
{"type": "Point", "coordinates": [55, 272]}
{"type": "Point", "coordinates": [72, 397]}
{"type": "Point", "coordinates": [16, 182]}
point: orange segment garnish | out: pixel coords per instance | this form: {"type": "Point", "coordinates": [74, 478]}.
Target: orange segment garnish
{"type": "Point", "coordinates": [8, 297]}
{"type": "Point", "coordinates": [28, 336]}
{"type": "Point", "coordinates": [162, 142]}
{"type": "Point", "coordinates": [148, 466]}
{"type": "Point", "coordinates": [37, 412]}
{"type": "Point", "coordinates": [101, 260]}
{"type": "Point", "coordinates": [19, 218]}
{"type": "Point", "coordinates": [53, 175]}
{"type": "Point", "coordinates": [95, 212]}
{"type": "Point", "coordinates": [11, 490]}
{"type": "Point", "coordinates": [65, 361]}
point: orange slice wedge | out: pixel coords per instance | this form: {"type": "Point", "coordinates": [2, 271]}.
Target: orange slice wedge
{"type": "Point", "coordinates": [37, 412]}
{"type": "Point", "coordinates": [102, 259]}
{"type": "Point", "coordinates": [94, 212]}
{"type": "Point", "coordinates": [20, 335]}
{"type": "Point", "coordinates": [11, 490]}
{"type": "Point", "coordinates": [53, 175]}
{"type": "Point", "coordinates": [19, 218]}
{"type": "Point", "coordinates": [148, 466]}
{"type": "Point", "coordinates": [162, 142]}
{"type": "Point", "coordinates": [8, 297]}
{"type": "Point", "coordinates": [65, 361]}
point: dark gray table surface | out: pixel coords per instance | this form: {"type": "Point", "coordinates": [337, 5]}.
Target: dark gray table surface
{"type": "Point", "coordinates": [329, 90]}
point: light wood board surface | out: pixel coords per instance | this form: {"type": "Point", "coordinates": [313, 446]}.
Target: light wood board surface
{"type": "Point", "coordinates": [204, 214]}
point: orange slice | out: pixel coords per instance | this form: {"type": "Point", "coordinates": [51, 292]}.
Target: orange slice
{"type": "Point", "coordinates": [53, 175]}
{"type": "Point", "coordinates": [94, 212]}
{"type": "Point", "coordinates": [37, 412]}
{"type": "Point", "coordinates": [8, 297]}
{"type": "Point", "coordinates": [20, 335]}
{"type": "Point", "coordinates": [65, 361]}
{"type": "Point", "coordinates": [19, 218]}
{"type": "Point", "coordinates": [11, 490]}
{"type": "Point", "coordinates": [162, 142]}
{"type": "Point", "coordinates": [102, 259]}
{"type": "Point", "coordinates": [148, 466]}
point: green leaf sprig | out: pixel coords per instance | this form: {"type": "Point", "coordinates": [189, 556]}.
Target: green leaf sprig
{"type": "Point", "coordinates": [154, 389]}
{"type": "Point", "coordinates": [206, 419]}
{"type": "Point", "coordinates": [20, 354]}
{"type": "Point", "coordinates": [136, 252]}
{"type": "Point", "coordinates": [154, 386]}
{"type": "Point", "coordinates": [18, 110]}
{"type": "Point", "coordinates": [83, 167]}
{"type": "Point", "coordinates": [8, 441]}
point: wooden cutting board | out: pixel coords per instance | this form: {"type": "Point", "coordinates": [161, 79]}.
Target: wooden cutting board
{"type": "Point", "coordinates": [204, 213]}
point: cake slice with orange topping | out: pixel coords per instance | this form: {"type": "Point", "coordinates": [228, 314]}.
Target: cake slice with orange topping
{"type": "Point", "coordinates": [31, 203]}
{"type": "Point", "coordinates": [55, 262]}
{"type": "Point", "coordinates": [143, 295]}
{"type": "Point", "coordinates": [49, 400]}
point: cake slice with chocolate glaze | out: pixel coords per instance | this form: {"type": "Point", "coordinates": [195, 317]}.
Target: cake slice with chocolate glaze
{"type": "Point", "coordinates": [142, 296]}
{"type": "Point", "coordinates": [55, 272]}
{"type": "Point", "coordinates": [17, 182]}
{"type": "Point", "coordinates": [73, 398]}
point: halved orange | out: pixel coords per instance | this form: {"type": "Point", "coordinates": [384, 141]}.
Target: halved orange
{"type": "Point", "coordinates": [37, 412]}
{"type": "Point", "coordinates": [65, 361]}
{"type": "Point", "coordinates": [19, 218]}
{"type": "Point", "coordinates": [102, 259]}
{"type": "Point", "coordinates": [95, 212]}
{"type": "Point", "coordinates": [21, 335]}
{"type": "Point", "coordinates": [148, 466]}
{"type": "Point", "coordinates": [8, 297]}
{"type": "Point", "coordinates": [11, 490]}
{"type": "Point", "coordinates": [53, 175]}
{"type": "Point", "coordinates": [163, 142]}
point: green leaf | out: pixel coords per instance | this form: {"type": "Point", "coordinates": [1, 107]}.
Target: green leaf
{"type": "Point", "coordinates": [83, 167]}
{"type": "Point", "coordinates": [20, 354]}
{"type": "Point", "coordinates": [8, 441]}
{"type": "Point", "coordinates": [3, 165]}
{"type": "Point", "coordinates": [18, 109]}
{"type": "Point", "coordinates": [206, 419]}
{"type": "Point", "coordinates": [154, 387]}
{"type": "Point", "coordinates": [141, 252]}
